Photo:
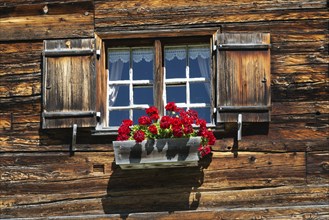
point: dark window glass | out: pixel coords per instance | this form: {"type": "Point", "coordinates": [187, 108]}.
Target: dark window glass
{"type": "Point", "coordinates": [200, 92]}
{"type": "Point", "coordinates": [116, 117]}
{"type": "Point", "coordinates": [176, 94]}
{"type": "Point", "coordinates": [122, 98]}
{"type": "Point", "coordinates": [143, 95]}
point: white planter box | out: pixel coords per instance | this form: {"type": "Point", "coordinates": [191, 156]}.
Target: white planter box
{"type": "Point", "coordinates": [161, 153]}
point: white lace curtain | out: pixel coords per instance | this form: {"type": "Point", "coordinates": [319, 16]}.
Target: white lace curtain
{"type": "Point", "coordinates": [193, 53]}
{"type": "Point", "coordinates": [138, 55]}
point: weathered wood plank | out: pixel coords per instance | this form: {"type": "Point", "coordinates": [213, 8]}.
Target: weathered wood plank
{"type": "Point", "coordinates": [317, 91]}
{"type": "Point", "coordinates": [318, 167]}
{"type": "Point", "coordinates": [275, 212]}
{"type": "Point", "coordinates": [40, 172]}
{"type": "Point", "coordinates": [227, 5]}
{"type": "Point", "coordinates": [249, 198]}
{"type": "Point", "coordinates": [56, 21]}
{"type": "Point", "coordinates": [143, 17]}
{"type": "Point", "coordinates": [20, 58]}
{"type": "Point", "coordinates": [28, 85]}
{"type": "Point", "coordinates": [298, 212]}
{"type": "Point", "coordinates": [13, 3]}
{"type": "Point", "coordinates": [274, 145]}
{"type": "Point", "coordinates": [299, 108]}
{"type": "Point", "coordinates": [5, 121]}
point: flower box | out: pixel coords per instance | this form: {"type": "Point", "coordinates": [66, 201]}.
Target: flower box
{"type": "Point", "coordinates": [158, 153]}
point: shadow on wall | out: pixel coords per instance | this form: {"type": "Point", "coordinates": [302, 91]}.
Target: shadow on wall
{"type": "Point", "coordinates": [154, 190]}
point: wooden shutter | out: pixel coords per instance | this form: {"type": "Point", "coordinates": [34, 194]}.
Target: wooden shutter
{"type": "Point", "coordinates": [69, 83]}
{"type": "Point", "coordinates": [243, 77]}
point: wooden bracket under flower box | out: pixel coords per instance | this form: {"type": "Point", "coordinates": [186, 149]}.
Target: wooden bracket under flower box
{"type": "Point", "coordinates": [159, 153]}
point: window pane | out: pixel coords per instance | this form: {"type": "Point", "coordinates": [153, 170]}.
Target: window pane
{"type": "Point", "coordinates": [118, 95]}
{"type": "Point", "coordinates": [119, 60]}
{"type": "Point", "coordinates": [175, 62]}
{"type": "Point", "coordinates": [200, 92]}
{"type": "Point", "coordinates": [143, 95]}
{"type": "Point", "coordinates": [176, 94]}
{"type": "Point", "coordinates": [204, 113]}
{"type": "Point", "coordinates": [199, 61]}
{"type": "Point", "coordinates": [137, 113]}
{"type": "Point", "coordinates": [116, 117]}
{"type": "Point", "coordinates": [143, 64]}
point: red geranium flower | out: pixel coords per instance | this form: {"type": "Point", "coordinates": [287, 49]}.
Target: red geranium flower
{"type": "Point", "coordinates": [171, 106]}
{"type": "Point", "coordinates": [124, 129]}
{"type": "Point", "coordinates": [204, 150]}
{"type": "Point", "coordinates": [201, 122]}
{"type": "Point", "coordinates": [188, 129]}
{"type": "Point", "coordinates": [177, 132]}
{"type": "Point", "coordinates": [139, 136]}
{"type": "Point", "coordinates": [186, 121]}
{"type": "Point", "coordinates": [193, 114]}
{"type": "Point", "coordinates": [127, 122]}
{"type": "Point", "coordinates": [176, 122]}
{"type": "Point", "coordinates": [211, 138]}
{"type": "Point", "coordinates": [165, 122]}
{"type": "Point", "coordinates": [122, 137]}
{"type": "Point", "coordinates": [144, 120]}
{"type": "Point", "coordinates": [153, 113]}
{"type": "Point", "coordinates": [153, 129]}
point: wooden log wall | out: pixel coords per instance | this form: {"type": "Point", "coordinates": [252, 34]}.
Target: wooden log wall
{"type": "Point", "coordinates": [282, 174]}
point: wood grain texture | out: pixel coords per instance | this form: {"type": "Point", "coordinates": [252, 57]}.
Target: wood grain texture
{"type": "Point", "coordinates": [318, 167]}
{"type": "Point", "coordinates": [57, 20]}
{"type": "Point", "coordinates": [158, 76]}
{"type": "Point", "coordinates": [156, 15]}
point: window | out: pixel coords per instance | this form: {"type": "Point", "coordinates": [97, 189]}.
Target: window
{"type": "Point", "coordinates": [96, 83]}
{"type": "Point", "coordinates": [185, 80]}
